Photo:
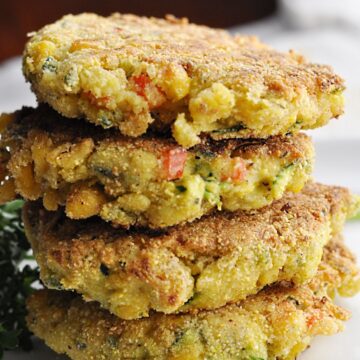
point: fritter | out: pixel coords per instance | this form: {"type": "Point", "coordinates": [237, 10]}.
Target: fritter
{"type": "Point", "coordinates": [133, 73]}
{"type": "Point", "coordinates": [278, 323]}
{"type": "Point", "coordinates": [145, 181]}
{"type": "Point", "coordinates": [218, 259]}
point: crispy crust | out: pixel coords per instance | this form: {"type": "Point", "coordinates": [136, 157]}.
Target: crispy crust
{"type": "Point", "coordinates": [61, 129]}
{"type": "Point", "coordinates": [249, 77]}
{"type": "Point", "coordinates": [51, 157]}
{"type": "Point", "coordinates": [239, 58]}
{"type": "Point", "coordinates": [219, 259]}
{"type": "Point", "coordinates": [277, 323]}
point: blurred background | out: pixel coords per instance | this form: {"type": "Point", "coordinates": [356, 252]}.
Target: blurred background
{"type": "Point", "coordinates": [16, 20]}
{"type": "Point", "coordinates": [326, 31]}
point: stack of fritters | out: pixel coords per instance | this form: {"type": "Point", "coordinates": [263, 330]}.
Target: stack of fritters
{"type": "Point", "coordinates": [184, 215]}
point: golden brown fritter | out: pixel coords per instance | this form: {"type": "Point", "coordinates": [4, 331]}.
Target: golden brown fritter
{"type": "Point", "coordinates": [133, 72]}
{"type": "Point", "coordinates": [218, 259]}
{"type": "Point", "coordinates": [145, 181]}
{"type": "Point", "coordinates": [278, 323]}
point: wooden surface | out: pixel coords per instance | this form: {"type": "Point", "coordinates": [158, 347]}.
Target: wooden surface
{"type": "Point", "coordinates": [17, 18]}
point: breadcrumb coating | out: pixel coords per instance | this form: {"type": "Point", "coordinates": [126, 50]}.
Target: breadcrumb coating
{"type": "Point", "coordinates": [276, 324]}
{"type": "Point", "coordinates": [218, 259]}
{"type": "Point", "coordinates": [145, 181]}
{"type": "Point", "coordinates": [133, 73]}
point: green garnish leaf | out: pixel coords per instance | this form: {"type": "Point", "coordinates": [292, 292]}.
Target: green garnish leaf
{"type": "Point", "coordinates": [16, 283]}
{"type": "Point", "coordinates": [8, 339]}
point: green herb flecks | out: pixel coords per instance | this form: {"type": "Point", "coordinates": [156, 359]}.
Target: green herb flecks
{"type": "Point", "coordinates": [52, 282]}
{"type": "Point", "coordinates": [212, 192]}
{"type": "Point", "coordinates": [50, 65]}
{"type": "Point", "coordinates": [283, 172]}
{"type": "Point", "coordinates": [232, 129]}
{"type": "Point", "coordinates": [15, 283]}
{"type": "Point", "coordinates": [71, 79]}
{"type": "Point", "coordinates": [104, 171]}
{"type": "Point", "coordinates": [181, 188]}
{"type": "Point", "coordinates": [192, 298]}
{"type": "Point", "coordinates": [105, 121]}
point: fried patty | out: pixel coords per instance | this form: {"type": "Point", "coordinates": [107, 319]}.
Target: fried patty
{"type": "Point", "coordinates": [278, 323]}
{"type": "Point", "coordinates": [133, 73]}
{"type": "Point", "coordinates": [218, 259]}
{"type": "Point", "coordinates": [145, 181]}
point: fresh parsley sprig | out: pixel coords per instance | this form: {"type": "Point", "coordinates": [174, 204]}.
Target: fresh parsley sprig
{"type": "Point", "coordinates": [15, 283]}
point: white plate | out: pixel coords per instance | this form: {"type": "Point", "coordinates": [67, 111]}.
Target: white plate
{"type": "Point", "coordinates": [338, 162]}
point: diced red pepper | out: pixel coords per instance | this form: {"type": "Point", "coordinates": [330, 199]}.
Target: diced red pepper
{"type": "Point", "coordinates": [99, 102]}
{"type": "Point", "coordinates": [238, 170]}
{"type": "Point", "coordinates": [141, 81]}
{"type": "Point", "coordinates": [311, 321]}
{"type": "Point", "coordinates": [174, 163]}
{"type": "Point", "coordinates": [144, 87]}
